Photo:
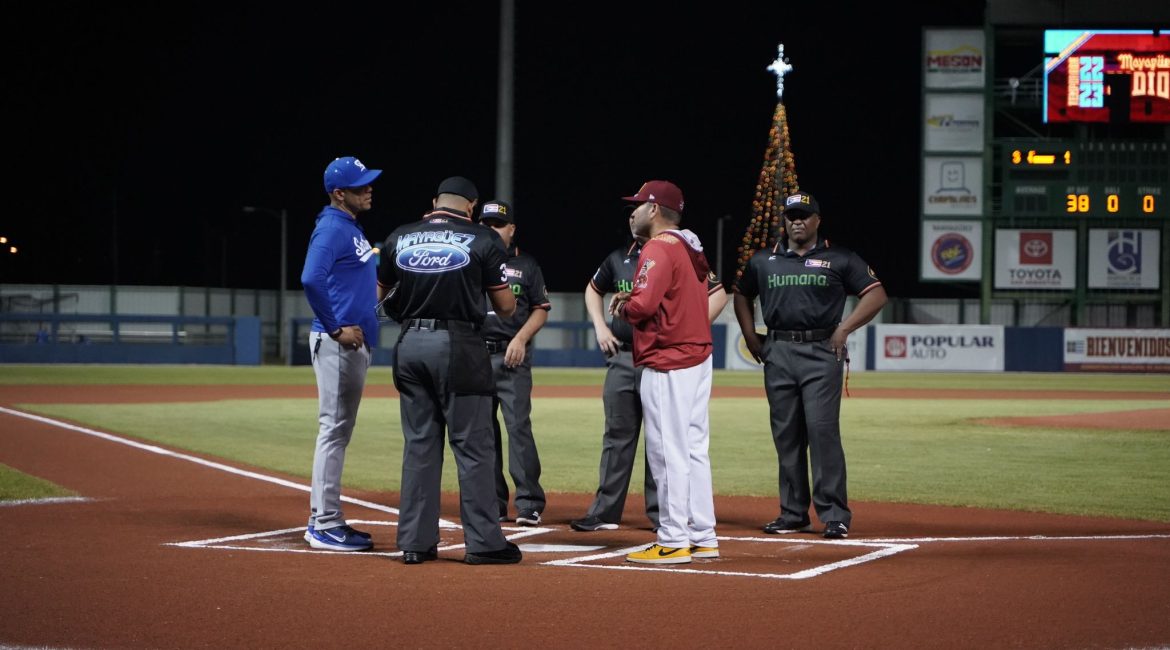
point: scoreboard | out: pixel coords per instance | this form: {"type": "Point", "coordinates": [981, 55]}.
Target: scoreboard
{"type": "Point", "coordinates": [1049, 178]}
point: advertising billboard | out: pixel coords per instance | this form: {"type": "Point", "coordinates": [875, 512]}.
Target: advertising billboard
{"type": "Point", "coordinates": [952, 186]}
{"type": "Point", "coordinates": [1035, 259]}
{"type": "Point", "coordinates": [1117, 350]}
{"type": "Point", "coordinates": [951, 250]}
{"type": "Point", "coordinates": [939, 347]}
{"type": "Point", "coordinates": [1124, 259]}
{"type": "Point", "coordinates": [953, 122]}
{"type": "Point", "coordinates": [954, 58]}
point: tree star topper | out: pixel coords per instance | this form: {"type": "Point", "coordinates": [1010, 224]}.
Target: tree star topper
{"type": "Point", "coordinates": [780, 67]}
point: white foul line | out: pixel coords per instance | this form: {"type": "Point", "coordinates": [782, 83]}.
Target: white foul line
{"type": "Point", "coordinates": [193, 459]}
{"type": "Point", "coordinates": [45, 501]}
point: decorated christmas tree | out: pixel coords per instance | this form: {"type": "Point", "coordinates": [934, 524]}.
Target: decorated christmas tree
{"type": "Point", "coordinates": [777, 177]}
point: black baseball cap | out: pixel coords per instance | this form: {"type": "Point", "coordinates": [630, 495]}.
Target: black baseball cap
{"type": "Point", "coordinates": [801, 202]}
{"type": "Point", "coordinates": [497, 211]}
{"type": "Point", "coordinates": [459, 185]}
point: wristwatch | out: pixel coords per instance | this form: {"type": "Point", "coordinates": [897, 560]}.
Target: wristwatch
{"type": "Point", "coordinates": [335, 333]}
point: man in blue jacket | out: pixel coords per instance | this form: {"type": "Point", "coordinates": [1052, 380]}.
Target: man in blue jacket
{"type": "Point", "coordinates": [340, 279]}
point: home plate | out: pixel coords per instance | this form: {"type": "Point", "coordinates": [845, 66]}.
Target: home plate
{"type": "Point", "coordinates": [557, 548]}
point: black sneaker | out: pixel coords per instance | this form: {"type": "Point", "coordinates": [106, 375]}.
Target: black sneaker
{"type": "Point", "coordinates": [528, 517]}
{"type": "Point", "coordinates": [510, 554]}
{"type": "Point", "coordinates": [836, 530]}
{"type": "Point", "coordinates": [590, 524]}
{"type": "Point", "coordinates": [780, 526]}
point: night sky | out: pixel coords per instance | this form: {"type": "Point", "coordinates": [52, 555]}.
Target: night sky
{"type": "Point", "coordinates": [135, 135]}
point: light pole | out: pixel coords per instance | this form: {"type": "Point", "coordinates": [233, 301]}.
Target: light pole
{"type": "Point", "coordinates": [280, 326]}
{"type": "Point", "coordinates": [719, 245]}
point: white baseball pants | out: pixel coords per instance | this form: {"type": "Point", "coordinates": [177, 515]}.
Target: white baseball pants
{"type": "Point", "coordinates": [674, 411]}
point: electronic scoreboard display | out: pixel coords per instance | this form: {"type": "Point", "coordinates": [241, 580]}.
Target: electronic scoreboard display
{"type": "Point", "coordinates": [1106, 76]}
{"type": "Point", "coordinates": [1095, 179]}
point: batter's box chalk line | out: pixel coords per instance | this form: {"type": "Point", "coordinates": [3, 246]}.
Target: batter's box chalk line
{"type": "Point", "coordinates": [881, 550]}
{"type": "Point", "coordinates": [236, 542]}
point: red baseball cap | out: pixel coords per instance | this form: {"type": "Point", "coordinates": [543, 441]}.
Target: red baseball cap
{"type": "Point", "coordinates": [663, 193]}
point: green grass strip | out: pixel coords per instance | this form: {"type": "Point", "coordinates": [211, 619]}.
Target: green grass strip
{"type": "Point", "coordinates": [16, 486]}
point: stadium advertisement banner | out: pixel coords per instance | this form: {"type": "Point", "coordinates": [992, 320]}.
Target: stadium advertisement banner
{"type": "Point", "coordinates": [738, 357]}
{"type": "Point", "coordinates": [951, 250]}
{"type": "Point", "coordinates": [954, 122]}
{"type": "Point", "coordinates": [939, 347]}
{"type": "Point", "coordinates": [1035, 259]}
{"type": "Point", "coordinates": [1124, 259]}
{"type": "Point", "coordinates": [954, 58]}
{"type": "Point", "coordinates": [952, 186]}
{"type": "Point", "coordinates": [1117, 350]}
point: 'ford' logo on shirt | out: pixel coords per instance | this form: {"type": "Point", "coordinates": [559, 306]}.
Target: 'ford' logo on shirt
{"type": "Point", "coordinates": [432, 258]}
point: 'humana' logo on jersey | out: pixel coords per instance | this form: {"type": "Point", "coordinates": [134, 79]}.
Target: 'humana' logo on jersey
{"type": "Point", "coordinates": [433, 251]}
{"type": "Point", "coordinates": [797, 280]}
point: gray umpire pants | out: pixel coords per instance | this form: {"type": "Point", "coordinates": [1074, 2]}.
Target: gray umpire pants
{"type": "Point", "coordinates": [422, 370]}
{"type": "Point", "coordinates": [803, 383]}
{"type": "Point", "coordinates": [514, 399]}
{"type": "Point", "coordinates": [622, 402]}
{"type": "Point", "coordinates": [341, 376]}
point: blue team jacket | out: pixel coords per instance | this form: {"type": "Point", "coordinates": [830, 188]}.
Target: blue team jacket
{"type": "Point", "coordinates": [340, 275]}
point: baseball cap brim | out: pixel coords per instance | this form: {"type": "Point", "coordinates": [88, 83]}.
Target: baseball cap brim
{"type": "Point", "coordinates": [807, 209]}
{"type": "Point", "coordinates": [367, 178]}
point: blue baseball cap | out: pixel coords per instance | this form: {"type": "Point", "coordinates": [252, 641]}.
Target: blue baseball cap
{"type": "Point", "coordinates": [348, 172]}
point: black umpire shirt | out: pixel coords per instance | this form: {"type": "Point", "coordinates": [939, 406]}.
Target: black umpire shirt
{"type": "Point", "coordinates": [804, 293]}
{"type": "Point", "coordinates": [527, 282]}
{"type": "Point", "coordinates": [616, 274]}
{"type": "Point", "coordinates": [442, 264]}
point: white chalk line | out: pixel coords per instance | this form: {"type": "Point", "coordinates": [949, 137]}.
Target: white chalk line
{"type": "Point", "coordinates": [883, 550]}
{"type": "Point", "coordinates": [154, 449]}
{"type": "Point", "coordinates": [226, 542]}
{"type": "Point", "coordinates": [44, 501]}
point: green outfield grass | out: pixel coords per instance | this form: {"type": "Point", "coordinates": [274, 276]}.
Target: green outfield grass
{"type": "Point", "coordinates": [912, 450]}
{"type": "Point", "coordinates": [16, 485]}
{"type": "Point", "coordinates": [89, 374]}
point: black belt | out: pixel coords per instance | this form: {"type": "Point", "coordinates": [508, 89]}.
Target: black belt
{"type": "Point", "coordinates": [799, 336]}
{"type": "Point", "coordinates": [496, 346]}
{"type": "Point", "coordinates": [426, 324]}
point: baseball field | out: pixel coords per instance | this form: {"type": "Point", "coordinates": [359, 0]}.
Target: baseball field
{"type": "Point", "coordinates": [163, 506]}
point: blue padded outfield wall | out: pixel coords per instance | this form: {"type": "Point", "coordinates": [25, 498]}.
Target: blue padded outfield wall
{"type": "Point", "coordinates": [81, 338]}
{"type": "Point", "coordinates": [85, 338]}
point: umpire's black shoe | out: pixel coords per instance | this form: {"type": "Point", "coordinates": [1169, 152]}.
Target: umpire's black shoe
{"type": "Point", "coordinates": [836, 530]}
{"type": "Point", "coordinates": [590, 524]}
{"type": "Point", "coordinates": [418, 557]}
{"type": "Point", "coordinates": [510, 554]}
{"type": "Point", "coordinates": [780, 526]}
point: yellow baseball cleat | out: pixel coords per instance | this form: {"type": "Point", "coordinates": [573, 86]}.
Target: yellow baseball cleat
{"type": "Point", "coordinates": [661, 555]}
{"type": "Point", "coordinates": [705, 551]}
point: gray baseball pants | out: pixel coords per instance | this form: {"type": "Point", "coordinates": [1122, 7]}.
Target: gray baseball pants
{"type": "Point", "coordinates": [514, 399]}
{"type": "Point", "coordinates": [622, 402]}
{"type": "Point", "coordinates": [341, 377]}
{"type": "Point", "coordinates": [422, 372]}
{"type": "Point", "coordinates": [803, 383]}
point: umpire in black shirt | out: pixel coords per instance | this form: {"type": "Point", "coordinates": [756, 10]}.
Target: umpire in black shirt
{"type": "Point", "coordinates": [437, 274]}
{"type": "Point", "coordinates": [509, 340]}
